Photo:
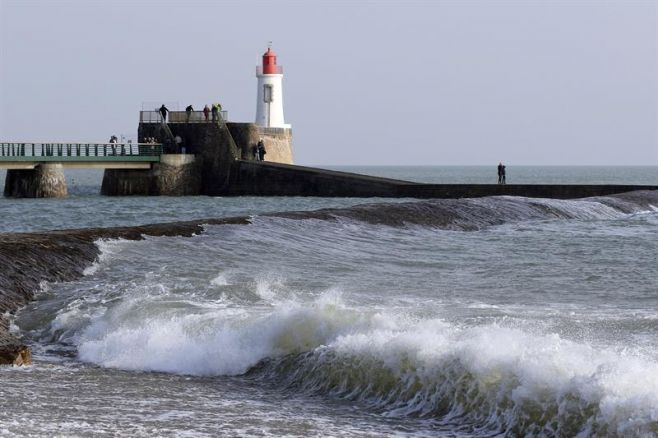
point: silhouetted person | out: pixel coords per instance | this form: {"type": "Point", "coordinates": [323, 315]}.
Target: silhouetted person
{"type": "Point", "coordinates": [206, 111]}
{"type": "Point", "coordinates": [188, 112]}
{"type": "Point", "coordinates": [501, 173]}
{"type": "Point", "coordinates": [113, 144]}
{"type": "Point", "coordinates": [261, 150]}
{"type": "Point", "coordinates": [163, 113]}
{"type": "Point", "coordinates": [215, 112]}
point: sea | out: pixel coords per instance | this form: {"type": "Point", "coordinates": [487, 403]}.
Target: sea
{"type": "Point", "coordinates": [487, 317]}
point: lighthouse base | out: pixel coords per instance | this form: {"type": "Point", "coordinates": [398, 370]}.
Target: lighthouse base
{"type": "Point", "coordinates": [278, 141]}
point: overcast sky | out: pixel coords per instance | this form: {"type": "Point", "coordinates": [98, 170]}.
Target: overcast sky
{"type": "Point", "coordinates": [416, 82]}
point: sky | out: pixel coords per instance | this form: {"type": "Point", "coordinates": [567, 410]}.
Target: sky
{"type": "Point", "coordinates": [365, 83]}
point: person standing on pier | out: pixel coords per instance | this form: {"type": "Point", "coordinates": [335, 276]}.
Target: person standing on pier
{"type": "Point", "coordinates": [501, 173]}
{"type": "Point", "coordinates": [206, 111]}
{"type": "Point", "coordinates": [163, 112]}
{"type": "Point", "coordinates": [188, 112]}
{"type": "Point", "coordinates": [113, 144]}
{"type": "Point", "coordinates": [215, 111]}
{"type": "Point", "coordinates": [261, 150]}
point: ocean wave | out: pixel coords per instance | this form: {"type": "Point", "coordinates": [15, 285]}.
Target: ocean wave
{"type": "Point", "coordinates": [135, 335]}
{"type": "Point", "coordinates": [506, 380]}
{"type": "Point", "coordinates": [500, 378]}
{"type": "Point", "coordinates": [106, 249]}
{"type": "Point", "coordinates": [476, 213]}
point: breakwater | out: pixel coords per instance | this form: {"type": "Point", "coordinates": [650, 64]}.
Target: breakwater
{"type": "Point", "coordinates": [29, 259]}
{"type": "Point", "coordinates": [251, 178]}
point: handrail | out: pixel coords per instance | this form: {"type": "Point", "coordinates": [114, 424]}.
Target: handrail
{"type": "Point", "coordinates": [73, 142]}
{"type": "Point", "coordinates": [70, 149]}
{"type": "Point", "coordinates": [180, 117]}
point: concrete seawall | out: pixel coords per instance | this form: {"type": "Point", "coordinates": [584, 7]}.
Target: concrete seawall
{"type": "Point", "coordinates": [274, 179]}
{"type": "Point", "coordinates": [278, 141]}
{"type": "Point", "coordinates": [253, 178]}
{"type": "Point", "coordinates": [554, 191]}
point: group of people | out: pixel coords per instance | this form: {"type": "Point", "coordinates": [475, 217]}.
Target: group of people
{"type": "Point", "coordinates": [214, 111]}
{"type": "Point", "coordinates": [208, 112]}
{"type": "Point", "coordinates": [259, 151]}
{"type": "Point", "coordinates": [501, 173]}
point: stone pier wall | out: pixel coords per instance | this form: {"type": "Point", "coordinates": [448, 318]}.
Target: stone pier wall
{"type": "Point", "coordinates": [278, 141]}
{"type": "Point", "coordinates": [45, 181]}
{"type": "Point", "coordinates": [175, 175]}
{"type": "Point", "coordinates": [212, 144]}
{"type": "Point", "coordinates": [178, 175]}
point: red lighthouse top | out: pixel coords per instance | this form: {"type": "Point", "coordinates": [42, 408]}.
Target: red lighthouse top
{"type": "Point", "coordinates": [269, 63]}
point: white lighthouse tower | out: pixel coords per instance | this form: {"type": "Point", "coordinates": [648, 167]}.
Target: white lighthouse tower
{"type": "Point", "coordinates": [269, 104]}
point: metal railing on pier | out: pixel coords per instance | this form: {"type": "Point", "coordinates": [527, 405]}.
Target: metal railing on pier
{"type": "Point", "coordinates": [35, 151]}
{"type": "Point", "coordinates": [181, 117]}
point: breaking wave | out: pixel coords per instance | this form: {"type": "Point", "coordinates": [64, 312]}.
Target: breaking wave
{"type": "Point", "coordinates": [492, 377]}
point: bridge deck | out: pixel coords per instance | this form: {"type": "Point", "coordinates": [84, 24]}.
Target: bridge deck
{"type": "Point", "coordinates": [28, 155]}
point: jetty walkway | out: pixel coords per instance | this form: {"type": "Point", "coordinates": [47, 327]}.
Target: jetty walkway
{"type": "Point", "coordinates": [29, 155]}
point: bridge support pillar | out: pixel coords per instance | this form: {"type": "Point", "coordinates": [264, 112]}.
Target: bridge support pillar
{"type": "Point", "coordinates": [45, 181]}
{"type": "Point", "coordinates": [174, 175]}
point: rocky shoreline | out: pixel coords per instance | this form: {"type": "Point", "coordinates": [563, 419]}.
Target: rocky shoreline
{"type": "Point", "coordinates": [29, 259]}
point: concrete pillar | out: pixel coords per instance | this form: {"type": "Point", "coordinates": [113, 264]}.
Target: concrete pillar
{"type": "Point", "coordinates": [174, 175]}
{"type": "Point", "coordinates": [178, 175]}
{"type": "Point", "coordinates": [45, 181]}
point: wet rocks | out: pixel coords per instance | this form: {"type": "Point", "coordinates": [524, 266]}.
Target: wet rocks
{"type": "Point", "coordinates": [28, 259]}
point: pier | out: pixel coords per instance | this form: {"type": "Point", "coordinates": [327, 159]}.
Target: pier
{"type": "Point", "coordinates": [218, 161]}
{"type": "Point", "coordinates": [29, 155]}
{"type": "Point", "coordinates": [36, 169]}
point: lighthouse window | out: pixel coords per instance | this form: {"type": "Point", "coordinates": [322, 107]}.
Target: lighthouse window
{"type": "Point", "coordinates": [267, 93]}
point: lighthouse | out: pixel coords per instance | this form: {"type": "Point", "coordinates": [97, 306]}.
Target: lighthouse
{"type": "Point", "coordinates": [269, 104]}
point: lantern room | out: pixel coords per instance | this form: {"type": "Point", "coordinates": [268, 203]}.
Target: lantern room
{"type": "Point", "coordinates": [269, 62]}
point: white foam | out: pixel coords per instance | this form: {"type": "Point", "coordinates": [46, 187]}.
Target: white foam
{"type": "Point", "coordinates": [220, 280]}
{"type": "Point", "coordinates": [267, 287]}
{"type": "Point", "coordinates": [107, 249]}
{"type": "Point", "coordinates": [217, 342]}
{"type": "Point", "coordinates": [499, 370]}
{"type": "Point", "coordinates": [505, 366]}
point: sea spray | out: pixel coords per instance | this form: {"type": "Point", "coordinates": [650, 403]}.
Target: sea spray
{"type": "Point", "coordinates": [508, 379]}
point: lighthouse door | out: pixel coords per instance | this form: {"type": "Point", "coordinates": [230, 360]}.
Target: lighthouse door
{"type": "Point", "coordinates": [268, 97]}
{"type": "Point", "coordinates": [267, 93]}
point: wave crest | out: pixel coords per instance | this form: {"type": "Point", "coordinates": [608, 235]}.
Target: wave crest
{"type": "Point", "coordinates": [489, 378]}
{"type": "Point", "coordinates": [501, 379]}
{"type": "Point", "coordinates": [477, 213]}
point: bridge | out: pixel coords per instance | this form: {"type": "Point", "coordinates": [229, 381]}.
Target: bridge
{"type": "Point", "coordinates": [29, 155]}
